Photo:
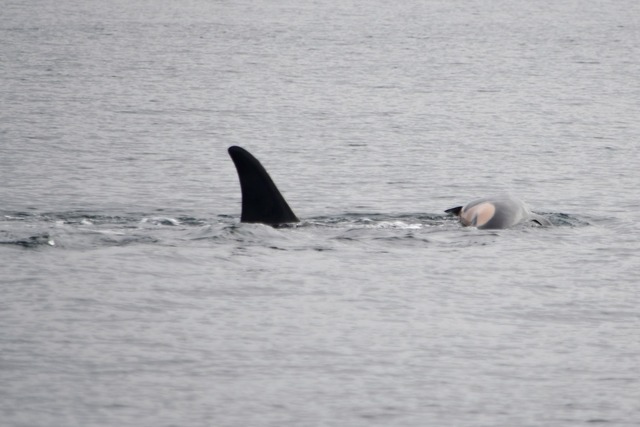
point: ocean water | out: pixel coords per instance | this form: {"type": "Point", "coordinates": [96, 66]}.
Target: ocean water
{"type": "Point", "coordinates": [132, 295]}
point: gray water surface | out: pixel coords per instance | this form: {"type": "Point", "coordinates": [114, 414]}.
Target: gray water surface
{"type": "Point", "coordinates": [132, 295]}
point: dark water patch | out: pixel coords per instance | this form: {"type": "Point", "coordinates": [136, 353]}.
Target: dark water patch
{"type": "Point", "coordinates": [560, 219]}
{"type": "Point", "coordinates": [243, 234]}
{"type": "Point", "coordinates": [85, 218]}
{"type": "Point", "coordinates": [16, 216]}
{"type": "Point", "coordinates": [211, 232]}
{"type": "Point", "coordinates": [127, 240]}
{"type": "Point", "coordinates": [403, 239]}
{"type": "Point", "coordinates": [469, 238]}
{"type": "Point", "coordinates": [84, 230]}
{"type": "Point", "coordinates": [30, 242]}
{"type": "Point", "coordinates": [102, 219]}
{"type": "Point", "coordinates": [191, 221]}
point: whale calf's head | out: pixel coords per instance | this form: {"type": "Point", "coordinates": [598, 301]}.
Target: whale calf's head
{"type": "Point", "coordinates": [478, 215]}
{"type": "Point", "coordinates": [492, 213]}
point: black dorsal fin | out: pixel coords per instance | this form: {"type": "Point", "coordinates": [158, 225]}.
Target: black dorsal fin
{"type": "Point", "coordinates": [261, 200]}
{"type": "Point", "coordinates": [454, 211]}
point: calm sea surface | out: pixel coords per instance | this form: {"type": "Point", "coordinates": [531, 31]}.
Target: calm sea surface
{"type": "Point", "coordinates": [132, 295]}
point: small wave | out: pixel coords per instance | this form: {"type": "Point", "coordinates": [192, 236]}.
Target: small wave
{"type": "Point", "coordinates": [559, 219]}
{"type": "Point", "coordinates": [126, 240]}
{"type": "Point", "coordinates": [15, 217]}
{"type": "Point", "coordinates": [160, 221]}
{"type": "Point", "coordinates": [31, 241]}
{"type": "Point", "coordinates": [377, 221]}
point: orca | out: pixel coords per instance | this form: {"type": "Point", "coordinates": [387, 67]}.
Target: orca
{"type": "Point", "coordinates": [495, 213]}
{"type": "Point", "coordinates": [261, 199]}
{"type": "Point", "coordinates": [263, 203]}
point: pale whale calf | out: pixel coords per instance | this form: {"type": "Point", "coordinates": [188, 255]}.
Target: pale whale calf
{"type": "Point", "coordinates": [263, 203]}
{"type": "Point", "coordinates": [496, 212]}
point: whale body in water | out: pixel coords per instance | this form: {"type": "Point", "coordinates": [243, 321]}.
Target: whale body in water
{"type": "Point", "coordinates": [496, 212]}
{"type": "Point", "coordinates": [263, 203]}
